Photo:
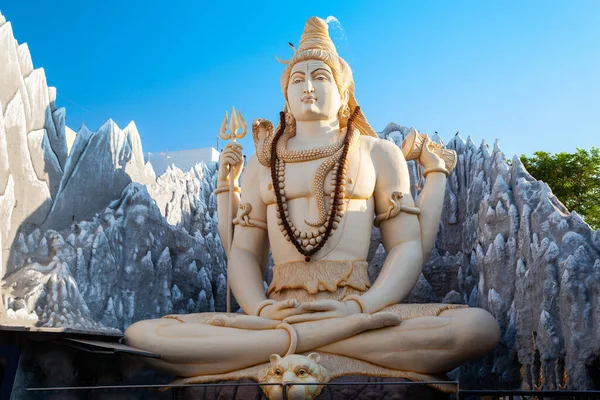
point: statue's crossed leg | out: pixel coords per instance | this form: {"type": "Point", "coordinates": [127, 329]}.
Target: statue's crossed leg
{"type": "Point", "coordinates": [239, 341]}
{"type": "Point", "coordinates": [190, 348]}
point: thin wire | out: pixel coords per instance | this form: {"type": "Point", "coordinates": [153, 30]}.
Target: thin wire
{"type": "Point", "coordinates": [74, 103]}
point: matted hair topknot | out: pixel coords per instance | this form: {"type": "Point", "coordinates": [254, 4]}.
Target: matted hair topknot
{"type": "Point", "coordinates": [315, 44]}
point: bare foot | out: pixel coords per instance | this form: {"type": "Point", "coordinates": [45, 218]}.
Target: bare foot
{"type": "Point", "coordinates": [380, 320]}
{"type": "Point", "coordinates": [243, 322]}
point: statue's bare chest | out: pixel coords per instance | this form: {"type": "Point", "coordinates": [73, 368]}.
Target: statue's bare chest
{"type": "Point", "coordinates": [300, 181]}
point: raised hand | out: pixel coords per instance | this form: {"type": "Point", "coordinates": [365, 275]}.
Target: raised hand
{"type": "Point", "coordinates": [429, 158]}
{"type": "Point", "coordinates": [231, 157]}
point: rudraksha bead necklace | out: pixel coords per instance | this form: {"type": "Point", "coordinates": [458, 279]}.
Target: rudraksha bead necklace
{"type": "Point", "coordinates": [309, 243]}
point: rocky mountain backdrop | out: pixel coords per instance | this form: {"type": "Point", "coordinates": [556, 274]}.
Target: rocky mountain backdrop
{"type": "Point", "coordinates": [93, 240]}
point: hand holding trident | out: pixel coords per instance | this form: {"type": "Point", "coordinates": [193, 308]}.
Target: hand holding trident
{"type": "Point", "coordinates": [237, 130]}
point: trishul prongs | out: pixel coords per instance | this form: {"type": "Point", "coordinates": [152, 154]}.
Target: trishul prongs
{"type": "Point", "coordinates": [237, 126]}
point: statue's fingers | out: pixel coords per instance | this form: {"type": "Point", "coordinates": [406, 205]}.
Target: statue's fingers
{"type": "Point", "coordinates": [238, 156]}
{"type": "Point", "coordinates": [227, 164]}
{"type": "Point", "coordinates": [238, 150]}
{"type": "Point", "coordinates": [232, 145]}
{"type": "Point", "coordinates": [385, 318]}
{"type": "Point", "coordinates": [227, 154]}
{"type": "Point", "coordinates": [285, 304]}
{"type": "Point", "coordinates": [233, 152]}
{"type": "Point", "coordinates": [233, 160]}
{"type": "Point", "coordinates": [318, 306]}
{"type": "Point", "coordinates": [228, 160]}
{"type": "Point", "coordinates": [318, 316]}
{"type": "Point", "coordinates": [288, 312]}
{"type": "Point", "coordinates": [234, 156]}
{"type": "Point", "coordinates": [428, 143]}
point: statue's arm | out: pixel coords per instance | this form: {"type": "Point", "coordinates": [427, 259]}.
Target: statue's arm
{"type": "Point", "coordinates": [222, 211]}
{"type": "Point", "coordinates": [231, 157]}
{"type": "Point", "coordinates": [431, 202]}
{"type": "Point", "coordinates": [431, 198]}
{"type": "Point", "coordinates": [401, 235]}
{"type": "Point", "coordinates": [250, 244]}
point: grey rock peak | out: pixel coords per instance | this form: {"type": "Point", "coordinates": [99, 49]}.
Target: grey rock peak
{"type": "Point", "coordinates": [507, 244]}
{"type": "Point", "coordinates": [42, 184]}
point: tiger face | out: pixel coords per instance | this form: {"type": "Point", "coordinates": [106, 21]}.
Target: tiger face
{"type": "Point", "coordinates": [295, 369]}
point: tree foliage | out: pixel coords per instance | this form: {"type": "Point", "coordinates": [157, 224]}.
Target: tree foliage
{"type": "Point", "coordinates": [573, 177]}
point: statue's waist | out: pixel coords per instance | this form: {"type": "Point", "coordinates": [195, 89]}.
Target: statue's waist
{"type": "Point", "coordinates": [320, 276]}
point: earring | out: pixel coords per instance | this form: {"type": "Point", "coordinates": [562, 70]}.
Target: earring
{"type": "Point", "coordinates": [345, 111]}
{"type": "Point", "coordinates": [290, 122]}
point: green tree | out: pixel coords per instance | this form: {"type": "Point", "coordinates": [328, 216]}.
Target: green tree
{"type": "Point", "coordinates": [573, 177]}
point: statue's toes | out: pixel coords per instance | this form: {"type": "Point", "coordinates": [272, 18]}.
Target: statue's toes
{"type": "Point", "coordinates": [385, 318]}
{"type": "Point", "coordinates": [243, 322]}
{"type": "Point", "coordinates": [219, 320]}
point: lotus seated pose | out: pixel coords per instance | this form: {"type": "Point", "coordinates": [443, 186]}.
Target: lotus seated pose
{"type": "Point", "coordinates": [312, 191]}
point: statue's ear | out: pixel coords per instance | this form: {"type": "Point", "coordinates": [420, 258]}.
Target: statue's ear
{"type": "Point", "coordinates": [345, 97]}
{"type": "Point", "coordinates": [274, 359]}
{"type": "Point", "coordinates": [316, 357]}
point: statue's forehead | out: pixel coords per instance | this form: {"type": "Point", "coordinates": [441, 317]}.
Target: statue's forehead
{"type": "Point", "coordinates": [294, 364]}
{"type": "Point", "coordinates": [312, 65]}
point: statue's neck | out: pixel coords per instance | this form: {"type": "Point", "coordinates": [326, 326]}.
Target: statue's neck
{"type": "Point", "coordinates": [310, 134]}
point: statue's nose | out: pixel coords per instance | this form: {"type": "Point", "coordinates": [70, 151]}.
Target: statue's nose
{"type": "Point", "coordinates": [308, 86]}
{"type": "Point", "coordinates": [289, 377]}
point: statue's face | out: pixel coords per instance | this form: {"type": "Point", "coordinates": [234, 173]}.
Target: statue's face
{"type": "Point", "coordinates": [312, 92]}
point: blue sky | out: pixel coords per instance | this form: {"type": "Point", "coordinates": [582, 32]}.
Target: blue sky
{"type": "Point", "coordinates": [526, 72]}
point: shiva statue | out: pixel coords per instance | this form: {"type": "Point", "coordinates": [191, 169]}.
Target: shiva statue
{"type": "Point", "coordinates": [312, 192]}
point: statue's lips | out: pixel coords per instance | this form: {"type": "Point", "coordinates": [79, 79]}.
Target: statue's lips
{"type": "Point", "coordinates": [309, 99]}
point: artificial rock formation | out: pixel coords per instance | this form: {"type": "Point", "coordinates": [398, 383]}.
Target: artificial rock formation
{"type": "Point", "coordinates": [508, 245]}
{"type": "Point", "coordinates": [42, 179]}
{"type": "Point", "coordinates": [79, 237]}
{"type": "Point", "coordinates": [101, 273]}
{"type": "Point", "coordinates": [101, 164]}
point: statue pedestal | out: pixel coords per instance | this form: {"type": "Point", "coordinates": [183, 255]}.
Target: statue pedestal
{"type": "Point", "coordinates": [320, 372]}
{"type": "Point", "coordinates": [381, 388]}
{"type": "Point", "coordinates": [356, 387]}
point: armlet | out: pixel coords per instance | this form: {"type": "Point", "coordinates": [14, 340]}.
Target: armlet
{"type": "Point", "coordinates": [395, 209]}
{"type": "Point", "coordinates": [225, 189]}
{"type": "Point", "coordinates": [243, 218]}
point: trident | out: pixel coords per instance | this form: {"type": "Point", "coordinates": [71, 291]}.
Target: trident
{"type": "Point", "coordinates": [236, 123]}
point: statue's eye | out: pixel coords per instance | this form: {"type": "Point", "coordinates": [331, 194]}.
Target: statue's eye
{"type": "Point", "coordinates": [302, 372]}
{"type": "Point", "coordinates": [278, 372]}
